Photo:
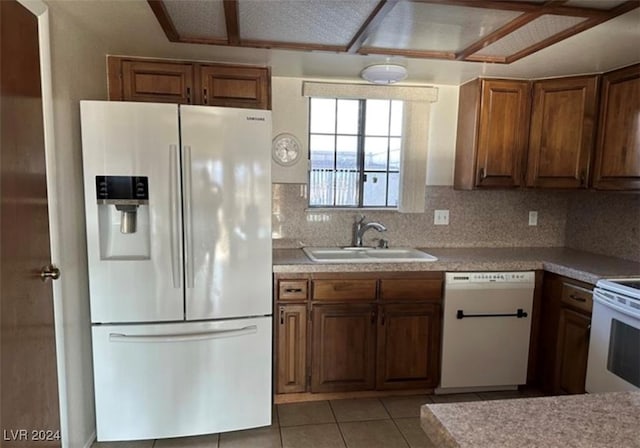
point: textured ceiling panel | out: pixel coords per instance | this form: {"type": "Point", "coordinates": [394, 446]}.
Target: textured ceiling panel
{"type": "Point", "coordinates": [595, 4]}
{"type": "Point", "coordinates": [530, 34]}
{"type": "Point", "coordinates": [197, 18]}
{"type": "Point", "coordinates": [422, 26]}
{"type": "Point", "coordinates": [324, 22]}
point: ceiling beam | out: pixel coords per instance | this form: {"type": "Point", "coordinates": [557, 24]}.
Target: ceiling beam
{"type": "Point", "coordinates": [623, 8]}
{"type": "Point", "coordinates": [158, 8]}
{"type": "Point", "coordinates": [425, 54]}
{"type": "Point", "coordinates": [291, 45]}
{"type": "Point", "coordinates": [370, 25]}
{"type": "Point", "coordinates": [505, 30]}
{"type": "Point", "coordinates": [549, 7]}
{"type": "Point", "coordinates": [232, 22]}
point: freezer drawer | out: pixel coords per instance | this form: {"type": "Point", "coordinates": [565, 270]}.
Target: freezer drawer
{"type": "Point", "coordinates": [171, 380]}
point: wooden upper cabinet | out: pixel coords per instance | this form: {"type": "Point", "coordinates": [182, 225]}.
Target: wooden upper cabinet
{"type": "Point", "coordinates": [136, 80]}
{"type": "Point", "coordinates": [617, 154]}
{"type": "Point", "coordinates": [562, 132]}
{"type": "Point", "coordinates": [245, 87]}
{"type": "Point", "coordinates": [493, 126]}
{"type": "Point", "coordinates": [185, 82]}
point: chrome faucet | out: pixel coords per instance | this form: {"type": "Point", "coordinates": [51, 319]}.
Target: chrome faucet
{"type": "Point", "coordinates": [361, 227]}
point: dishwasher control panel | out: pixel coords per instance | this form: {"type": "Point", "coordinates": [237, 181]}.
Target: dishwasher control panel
{"type": "Point", "coordinates": [490, 277]}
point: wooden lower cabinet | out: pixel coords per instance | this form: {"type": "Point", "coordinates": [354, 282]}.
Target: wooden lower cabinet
{"type": "Point", "coordinates": [563, 343]}
{"type": "Point", "coordinates": [291, 348]}
{"type": "Point", "coordinates": [343, 347]}
{"type": "Point", "coordinates": [408, 346]}
{"type": "Point", "coordinates": [357, 331]}
{"type": "Point", "coordinates": [573, 350]}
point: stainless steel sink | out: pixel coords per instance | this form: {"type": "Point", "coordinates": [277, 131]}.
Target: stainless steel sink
{"type": "Point", "coordinates": [366, 255]}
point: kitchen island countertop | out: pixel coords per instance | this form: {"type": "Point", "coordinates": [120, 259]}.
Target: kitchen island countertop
{"type": "Point", "coordinates": [590, 421]}
{"type": "Point", "coordinates": [579, 265]}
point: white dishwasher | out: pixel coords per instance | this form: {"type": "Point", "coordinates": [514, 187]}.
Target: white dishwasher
{"type": "Point", "coordinates": [486, 330]}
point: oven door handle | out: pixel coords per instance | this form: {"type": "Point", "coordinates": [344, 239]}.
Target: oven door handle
{"type": "Point", "coordinates": [621, 309]}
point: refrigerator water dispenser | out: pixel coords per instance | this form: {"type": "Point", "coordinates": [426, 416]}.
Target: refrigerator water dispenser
{"type": "Point", "coordinates": [123, 217]}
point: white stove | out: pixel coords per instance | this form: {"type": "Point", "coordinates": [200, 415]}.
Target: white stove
{"type": "Point", "coordinates": [614, 346]}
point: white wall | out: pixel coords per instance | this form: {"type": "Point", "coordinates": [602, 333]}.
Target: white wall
{"type": "Point", "coordinates": [78, 71]}
{"type": "Point", "coordinates": [291, 110]}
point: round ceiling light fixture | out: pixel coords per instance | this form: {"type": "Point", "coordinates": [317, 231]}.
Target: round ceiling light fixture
{"type": "Point", "coordinates": [384, 73]}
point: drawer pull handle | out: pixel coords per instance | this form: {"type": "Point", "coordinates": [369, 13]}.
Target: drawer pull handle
{"type": "Point", "coordinates": [576, 298]}
{"type": "Point", "coordinates": [293, 290]}
{"type": "Point", "coordinates": [281, 315]}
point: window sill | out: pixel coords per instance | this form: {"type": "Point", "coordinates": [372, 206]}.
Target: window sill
{"type": "Point", "coordinates": [350, 209]}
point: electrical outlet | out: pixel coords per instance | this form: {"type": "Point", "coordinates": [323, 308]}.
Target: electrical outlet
{"type": "Point", "coordinates": [533, 218]}
{"type": "Point", "coordinates": [441, 217]}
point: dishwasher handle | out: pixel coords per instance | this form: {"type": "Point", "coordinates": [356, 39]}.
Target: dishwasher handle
{"type": "Point", "coordinates": [520, 313]}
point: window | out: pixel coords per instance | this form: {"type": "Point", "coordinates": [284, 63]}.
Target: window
{"type": "Point", "coordinates": [354, 147]}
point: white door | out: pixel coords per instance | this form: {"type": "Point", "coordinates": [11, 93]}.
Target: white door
{"type": "Point", "coordinates": [181, 379]}
{"type": "Point", "coordinates": [227, 211]}
{"type": "Point", "coordinates": [134, 139]}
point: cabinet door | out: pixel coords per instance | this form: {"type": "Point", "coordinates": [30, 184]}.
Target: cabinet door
{"type": "Point", "coordinates": [291, 343]}
{"type": "Point", "coordinates": [573, 349]}
{"type": "Point", "coordinates": [502, 137]}
{"type": "Point", "coordinates": [617, 164]}
{"type": "Point", "coordinates": [343, 353]}
{"type": "Point", "coordinates": [235, 87]}
{"type": "Point", "coordinates": [408, 346]}
{"type": "Point", "coordinates": [562, 132]}
{"type": "Point", "coordinates": [157, 82]}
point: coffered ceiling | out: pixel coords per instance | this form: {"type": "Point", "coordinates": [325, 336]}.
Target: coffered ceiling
{"type": "Point", "coordinates": [492, 31]}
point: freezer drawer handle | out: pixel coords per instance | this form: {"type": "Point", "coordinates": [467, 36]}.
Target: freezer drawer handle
{"type": "Point", "coordinates": [520, 313]}
{"type": "Point", "coordinates": [183, 337]}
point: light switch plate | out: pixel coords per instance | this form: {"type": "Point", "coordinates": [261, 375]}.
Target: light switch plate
{"type": "Point", "coordinates": [441, 217]}
{"type": "Point", "coordinates": [533, 218]}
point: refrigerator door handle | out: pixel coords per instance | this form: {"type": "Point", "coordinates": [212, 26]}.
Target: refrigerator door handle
{"type": "Point", "coordinates": [174, 170]}
{"type": "Point", "coordinates": [183, 337]}
{"type": "Point", "coordinates": [188, 221]}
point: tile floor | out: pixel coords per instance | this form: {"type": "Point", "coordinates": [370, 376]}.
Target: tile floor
{"type": "Point", "coordinates": [388, 422]}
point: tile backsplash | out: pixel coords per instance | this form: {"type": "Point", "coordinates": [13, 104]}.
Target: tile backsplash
{"type": "Point", "coordinates": [605, 223]}
{"type": "Point", "coordinates": [476, 219]}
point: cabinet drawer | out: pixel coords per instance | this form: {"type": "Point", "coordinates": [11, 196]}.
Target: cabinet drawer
{"type": "Point", "coordinates": [411, 289]}
{"type": "Point", "coordinates": [344, 289]}
{"type": "Point", "coordinates": [577, 297]}
{"type": "Point", "coordinates": [292, 290]}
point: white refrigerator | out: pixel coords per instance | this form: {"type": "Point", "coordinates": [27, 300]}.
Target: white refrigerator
{"type": "Point", "coordinates": [178, 213]}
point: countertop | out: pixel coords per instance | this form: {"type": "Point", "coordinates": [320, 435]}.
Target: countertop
{"type": "Point", "coordinates": [591, 420]}
{"type": "Point", "coordinates": [576, 264]}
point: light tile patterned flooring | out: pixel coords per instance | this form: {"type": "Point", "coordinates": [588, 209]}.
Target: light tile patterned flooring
{"type": "Point", "coordinates": [388, 422]}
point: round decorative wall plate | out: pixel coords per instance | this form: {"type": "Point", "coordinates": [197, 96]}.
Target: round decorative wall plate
{"type": "Point", "coordinates": [285, 149]}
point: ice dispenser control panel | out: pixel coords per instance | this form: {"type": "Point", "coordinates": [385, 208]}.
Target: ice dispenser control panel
{"type": "Point", "coordinates": [122, 189]}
